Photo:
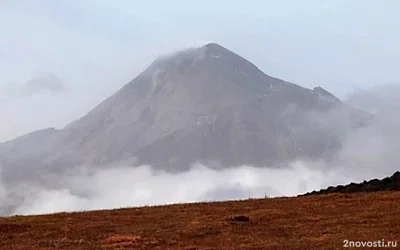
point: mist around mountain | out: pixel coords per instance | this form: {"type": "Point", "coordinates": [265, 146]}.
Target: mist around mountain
{"type": "Point", "coordinates": [199, 124]}
{"type": "Point", "coordinates": [44, 82]}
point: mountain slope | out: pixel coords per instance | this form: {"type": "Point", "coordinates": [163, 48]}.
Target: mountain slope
{"type": "Point", "coordinates": [210, 105]}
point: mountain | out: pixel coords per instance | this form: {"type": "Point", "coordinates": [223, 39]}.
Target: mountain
{"type": "Point", "coordinates": [391, 183]}
{"type": "Point", "coordinates": [205, 105]}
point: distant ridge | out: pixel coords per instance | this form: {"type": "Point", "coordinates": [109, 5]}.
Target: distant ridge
{"type": "Point", "coordinates": [391, 183]}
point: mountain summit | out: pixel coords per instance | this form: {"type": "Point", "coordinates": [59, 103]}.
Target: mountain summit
{"type": "Point", "coordinates": [205, 105]}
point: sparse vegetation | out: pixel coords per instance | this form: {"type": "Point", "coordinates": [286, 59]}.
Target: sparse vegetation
{"type": "Point", "coordinates": [308, 222]}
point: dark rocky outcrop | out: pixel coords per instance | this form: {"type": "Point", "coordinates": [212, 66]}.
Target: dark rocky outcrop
{"type": "Point", "coordinates": [391, 183]}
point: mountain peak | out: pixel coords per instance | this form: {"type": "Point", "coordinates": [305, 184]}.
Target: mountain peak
{"type": "Point", "coordinates": [207, 58]}
{"type": "Point", "coordinates": [193, 53]}
{"type": "Point", "coordinates": [212, 44]}
{"type": "Point", "coordinates": [216, 51]}
{"type": "Point", "coordinates": [214, 47]}
{"type": "Point", "coordinates": [324, 93]}
{"type": "Point", "coordinates": [177, 59]}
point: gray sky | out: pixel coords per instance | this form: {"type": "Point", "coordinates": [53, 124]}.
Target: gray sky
{"type": "Point", "coordinates": [94, 47]}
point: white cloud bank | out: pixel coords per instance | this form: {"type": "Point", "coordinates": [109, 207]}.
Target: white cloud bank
{"type": "Point", "coordinates": [122, 187]}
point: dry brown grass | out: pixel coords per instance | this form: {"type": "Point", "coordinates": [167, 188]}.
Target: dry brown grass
{"type": "Point", "coordinates": [314, 222]}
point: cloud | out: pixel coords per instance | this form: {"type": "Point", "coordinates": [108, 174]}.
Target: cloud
{"type": "Point", "coordinates": [382, 99]}
{"type": "Point", "coordinates": [7, 119]}
{"type": "Point", "coordinates": [40, 102]}
{"type": "Point", "coordinates": [44, 82]}
{"type": "Point", "coordinates": [373, 149]}
{"type": "Point", "coordinates": [129, 186]}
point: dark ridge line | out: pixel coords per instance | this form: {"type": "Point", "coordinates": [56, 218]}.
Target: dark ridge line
{"type": "Point", "coordinates": [391, 183]}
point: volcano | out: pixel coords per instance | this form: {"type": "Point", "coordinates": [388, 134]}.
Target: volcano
{"type": "Point", "coordinates": [201, 105]}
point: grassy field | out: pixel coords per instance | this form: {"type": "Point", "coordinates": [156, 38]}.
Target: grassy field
{"type": "Point", "coordinates": [312, 222]}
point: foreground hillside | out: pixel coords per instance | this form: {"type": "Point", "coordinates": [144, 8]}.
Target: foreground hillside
{"type": "Point", "coordinates": [308, 222]}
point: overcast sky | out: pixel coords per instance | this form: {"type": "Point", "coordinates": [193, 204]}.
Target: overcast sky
{"type": "Point", "coordinates": [91, 48]}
